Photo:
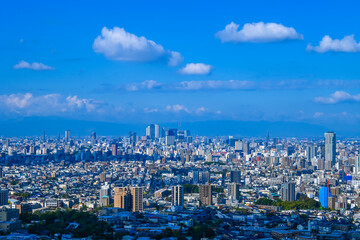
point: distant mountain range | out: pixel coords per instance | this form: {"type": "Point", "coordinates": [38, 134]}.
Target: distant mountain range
{"type": "Point", "coordinates": [34, 126]}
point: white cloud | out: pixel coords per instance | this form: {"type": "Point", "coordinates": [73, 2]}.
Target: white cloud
{"type": "Point", "coordinates": [145, 85]}
{"type": "Point", "coordinates": [196, 69]}
{"type": "Point", "coordinates": [257, 32]}
{"type": "Point", "coordinates": [177, 108]}
{"type": "Point", "coordinates": [26, 104]}
{"type": "Point", "coordinates": [117, 44]}
{"type": "Point", "coordinates": [327, 44]}
{"type": "Point", "coordinates": [338, 97]}
{"type": "Point", "coordinates": [34, 66]}
{"type": "Point", "coordinates": [201, 110]}
{"type": "Point", "coordinates": [318, 114]}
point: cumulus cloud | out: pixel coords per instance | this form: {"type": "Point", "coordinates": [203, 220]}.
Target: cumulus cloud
{"type": "Point", "coordinates": [34, 66]}
{"type": "Point", "coordinates": [177, 108]}
{"type": "Point", "coordinates": [196, 69]}
{"type": "Point", "coordinates": [145, 85]}
{"type": "Point", "coordinates": [257, 32]}
{"type": "Point", "coordinates": [318, 114]}
{"type": "Point", "coordinates": [327, 44]}
{"type": "Point", "coordinates": [338, 97]}
{"type": "Point", "coordinates": [26, 104]}
{"type": "Point", "coordinates": [117, 44]}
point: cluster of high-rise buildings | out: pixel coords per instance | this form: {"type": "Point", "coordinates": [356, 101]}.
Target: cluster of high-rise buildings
{"type": "Point", "coordinates": [166, 169]}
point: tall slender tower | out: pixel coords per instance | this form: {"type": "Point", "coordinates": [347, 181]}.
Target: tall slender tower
{"type": "Point", "coordinates": [330, 150]}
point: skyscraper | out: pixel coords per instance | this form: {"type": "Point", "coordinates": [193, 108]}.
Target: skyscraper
{"type": "Point", "coordinates": [330, 150]}
{"type": "Point", "coordinates": [132, 136]}
{"type": "Point", "coordinates": [67, 135]}
{"type": "Point", "coordinates": [178, 195]}
{"type": "Point", "coordinates": [93, 138]}
{"type": "Point", "coordinates": [114, 149]}
{"type": "Point", "coordinates": [157, 131]}
{"type": "Point", "coordinates": [357, 165]}
{"type": "Point", "coordinates": [105, 195]}
{"type": "Point", "coordinates": [205, 194]}
{"type": "Point", "coordinates": [4, 197]}
{"type": "Point", "coordinates": [234, 191]}
{"type": "Point", "coordinates": [150, 131]}
{"type": "Point", "coordinates": [235, 176]}
{"type": "Point", "coordinates": [129, 198]}
{"type": "Point", "coordinates": [288, 191]}
{"type": "Point", "coordinates": [323, 196]}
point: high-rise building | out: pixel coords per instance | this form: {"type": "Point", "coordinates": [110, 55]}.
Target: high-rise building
{"type": "Point", "coordinates": [246, 147]}
{"type": "Point", "coordinates": [67, 135]}
{"type": "Point", "coordinates": [4, 197]}
{"type": "Point", "coordinates": [178, 195]}
{"type": "Point", "coordinates": [114, 149]}
{"type": "Point", "coordinates": [288, 191]}
{"type": "Point", "coordinates": [102, 177]}
{"type": "Point", "coordinates": [196, 177]}
{"type": "Point", "coordinates": [204, 177]}
{"type": "Point", "coordinates": [310, 152]}
{"type": "Point", "coordinates": [323, 196]}
{"type": "Point", "coordinates": [234, 191]}
{"type": "Point", "coordinates": [129, 198]}
{"type": "Point", "coordinates": [330, 150]}
{"type": "Point", "coordinates": [93, 138]}
{"type": "Point", "coordinates": [235, 176]}
{"type": "Point", "coordinates": [133, 140]}
{"type": "Point", "coordinates": [150, 131]}
{"type": "Point", "coordinates": [357, 165]}
{"type": "Point", "coordinates": [157, 131]}
{"type": "Point", "coordinates": [105, 195]}
{"type": "Point", "coordinates": [205, 194]}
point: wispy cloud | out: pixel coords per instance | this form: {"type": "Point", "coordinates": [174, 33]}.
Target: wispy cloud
{"type": "Point", "coordinates": [257, 33]}
{"type": "Point", "coordinates": [34, 66]}
{"type": "Point", "coordinates": [327, 44]}
{"type": "Point", "coordinates": [117, 44]}
{"type": "Point", "coordinates": [231, 85]}
{"type": "Point", "coordinates": [338, 97]}
{"type": "Point", "coordinates": [196, 69]}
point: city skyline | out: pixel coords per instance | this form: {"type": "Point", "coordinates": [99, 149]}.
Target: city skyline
{"type": "Point", "coordinates": [168, 63]}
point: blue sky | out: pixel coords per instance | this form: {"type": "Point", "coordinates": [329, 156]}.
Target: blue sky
{"type": "Point", "coordinates": [169, 61]}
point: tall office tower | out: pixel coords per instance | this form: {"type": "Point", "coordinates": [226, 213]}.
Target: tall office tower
{"type": "Point", "coordinates": [178, 195]}
{"type": "Point", "coordinates": [205, 194]}
{"type": "Point", "coordinates": [357, 165]}
{"type": "Point", "coordinates": [150, 131]}
{"type": "Point", "coordinates": [129, 198]}
{"type": "Point", "coordinates": [310, 152]}
{"type": "Point", "coordinates": [44, 138]}
{"type": "Point", "coordinates": [157, 131]}
{"type": "Point", "coordinates": [235, 176]}
{"type": "Point", "coordinates": [133, 139]}
{"type": "Point", "coordinates": [137, 199]}
{"type": "Point", "coordinates": [4, 197]}
{"type": "Point", "coordinates": [170, 137]}
{"type": "Point", "coordinates": [246, 148]}
{"type": "Point", "coordinates": [105, 195]}
{"type": "Point", "coordinates": [67, 135]}
{"type": "Point", "coordinates": [288, 191]}
{"type": "Point", "coordinates": [330, 150]}
{"type": "Point", "coordinates": [196, 177]}
{"type": "Point", "coordinates": [114, 149]}
{"type": "Point", "coordinates": [204, 177]}
{"type": "Point", "coordinates": [321, 164]}
{"type": "Point", "coordinates": [323, 196]}
{"type": "Point", "coordinates": [238, 146]}
{"type": "Point", "coordinates": [93, 138]}
{"type": "Point", "coordinates": [234, 191]}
